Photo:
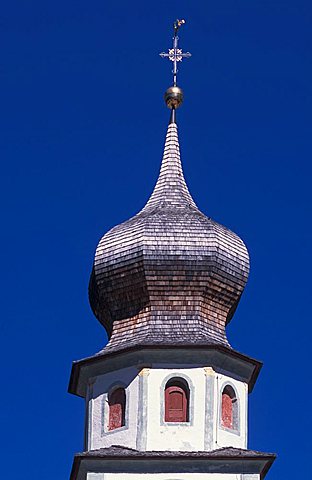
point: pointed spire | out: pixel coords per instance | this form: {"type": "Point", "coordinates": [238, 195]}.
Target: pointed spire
{"type": "Point", "coordinates": [171, 189]}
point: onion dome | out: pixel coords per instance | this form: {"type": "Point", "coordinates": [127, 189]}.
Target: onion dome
{"type": "Point", "coordinates": [169, 275]}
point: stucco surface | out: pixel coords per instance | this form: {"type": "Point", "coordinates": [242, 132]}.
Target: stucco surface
{"type": "Point", "coordinates": [145, 427]}
{"type": "Point", "coordinates": [100, 436]}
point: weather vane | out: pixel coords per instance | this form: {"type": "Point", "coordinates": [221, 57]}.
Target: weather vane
{"type": "Point", "coordinates": [174, 94]}
{"type": "Point", "coordinates": [175, 54]}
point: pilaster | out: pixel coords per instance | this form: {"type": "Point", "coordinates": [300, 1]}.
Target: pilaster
{"type": "Point", "coordinates": [142, 410]}
{"type": "Point", "coordinates": [209, 412]}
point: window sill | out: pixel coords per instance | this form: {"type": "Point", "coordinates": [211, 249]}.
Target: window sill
{"type": "Point", "coordinates": [230, 430]}
{"type": "Point", "coordinates": [116, 430]}
{"type": "Point", "coordinates": [172, 424]}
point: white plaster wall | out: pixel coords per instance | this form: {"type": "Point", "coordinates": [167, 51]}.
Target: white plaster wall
{"type": "Point", "coordinates": [162, 436]}
{"type": "Point", "coordinates": [224, 437]}
{"type": "Point", "coordinates": [168, 476]}
{"type": "Point", "coordinates": [99, 436]}
{"type": "Point", "coordinates": [146, 429]}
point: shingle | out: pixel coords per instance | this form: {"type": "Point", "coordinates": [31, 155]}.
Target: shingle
{"type": "Point", "coordinates": [170, 271]}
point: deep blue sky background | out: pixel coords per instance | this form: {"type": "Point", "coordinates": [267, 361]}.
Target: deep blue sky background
{"type": "Point", "coordinates": [82, 124]}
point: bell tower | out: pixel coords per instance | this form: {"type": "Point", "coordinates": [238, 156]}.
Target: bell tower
{"type": "Point", "coordinates": [167, 397]}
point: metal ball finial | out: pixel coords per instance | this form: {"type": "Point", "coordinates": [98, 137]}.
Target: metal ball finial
{"type": "Point", "coordinates": [173, 97]}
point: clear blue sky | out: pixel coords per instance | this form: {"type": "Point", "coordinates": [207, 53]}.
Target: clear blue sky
{"type": "Point", "coordinates": [82, 124]}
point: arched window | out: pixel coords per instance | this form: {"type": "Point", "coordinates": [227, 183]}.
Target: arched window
{"type": "Point", "coordinates": [229, 408]}
{"type": "Point", "coordinates": [177, 394]}
{"type": "Point", "coordinates": [116, 404]}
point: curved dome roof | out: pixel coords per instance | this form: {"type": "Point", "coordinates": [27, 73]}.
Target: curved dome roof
{"type": "Point", "coordinates": [169, 274]}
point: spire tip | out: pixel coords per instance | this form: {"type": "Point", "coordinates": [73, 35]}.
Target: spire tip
{"type": "Point", "coordinates": [175, 54]}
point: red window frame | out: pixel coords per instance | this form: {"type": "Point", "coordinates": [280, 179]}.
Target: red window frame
{"type": "Point", "coordinates": [176, 403]}
{"type": "Point", "coordinates": [116, 405]}
{"type": "Point", "coordinates": [227, 410]}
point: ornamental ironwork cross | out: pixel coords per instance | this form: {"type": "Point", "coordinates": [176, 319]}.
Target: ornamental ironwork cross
{"type": "Point", "coordinates": [175, 54]}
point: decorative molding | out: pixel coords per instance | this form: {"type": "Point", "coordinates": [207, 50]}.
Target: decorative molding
{"type": "Point", "coordinates": [209, 371]}
{"type": "Point", "coordinates": [141, 437]}
{"type": "Point", "coordinates": [95, 476]}
{"type": "Point", "coordinates": [90, 413]}
{"type": "Point", "coordinates": [246, 416]}
{"type": "Point", "coordinates": [144, 372]}
{"type": "Point", "coordinates": [209, 408]}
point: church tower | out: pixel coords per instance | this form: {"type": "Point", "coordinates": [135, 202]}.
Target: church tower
{"type": "Point", "coordinates": [167, 397]}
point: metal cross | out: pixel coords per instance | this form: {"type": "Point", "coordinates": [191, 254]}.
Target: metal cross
{"type": "Point", "coordinates": [175, 54]}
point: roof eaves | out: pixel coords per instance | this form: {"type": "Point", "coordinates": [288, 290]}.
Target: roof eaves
{"type": "Point", "coordinates": [122, 454]}
{"type": "Point", "coordinates": [76, 365]}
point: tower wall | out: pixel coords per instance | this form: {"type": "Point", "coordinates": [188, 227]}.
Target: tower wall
{"type": "Point", "coordinates": [145, 427]}
{"type": "Point", "coordinates": [97, 432]}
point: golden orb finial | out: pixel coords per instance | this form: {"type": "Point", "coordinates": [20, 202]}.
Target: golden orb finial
{"type": "Point", "coordinates": [173, 97]}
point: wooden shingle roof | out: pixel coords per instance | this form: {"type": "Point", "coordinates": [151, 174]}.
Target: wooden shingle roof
{"type": "Point", "coordinates": [170, 273]}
